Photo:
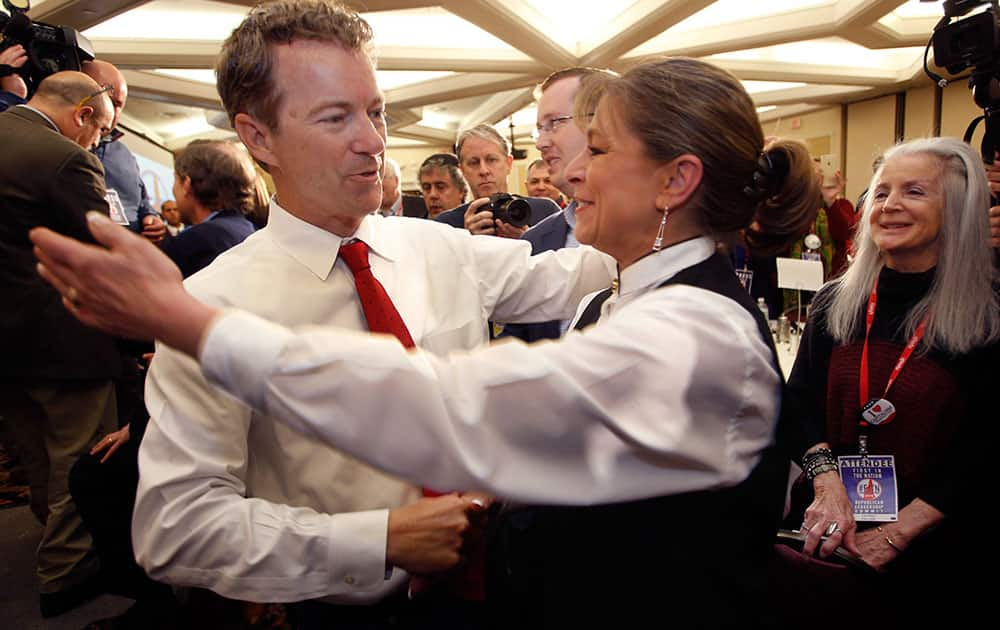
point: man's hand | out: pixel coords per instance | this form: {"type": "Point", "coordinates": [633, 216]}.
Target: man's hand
{"type": "Point", "coordinates": [993, 174]}
{"type": "Point", "coordinates": [127, 288]}
{"type": "Point", "coordinates": [15, 56]}
{"type": "Point", "coordinates": [153, 228]}
{"type": "Point", "coordinates": [427, 536]}
{"type": "Point", "coordinates": [479, 222]}
{"type": "Point", "coordinates": [507, 230]}
{"type": "Point", "coordinates": [112, 442]}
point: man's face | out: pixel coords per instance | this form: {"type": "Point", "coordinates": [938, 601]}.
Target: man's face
{"type": "Point", "coordinates": [485, 166]}
{"type": "Point", "coordinates": [170, 213]}
{"type": "Point", "coordinates": [440, 193]}
{"type": "Point", "coordinates": [559, 146]}
{"type": "Point", "coordinates": [390, 188]}
{"type": "Point", "coordinates": [88, 126]}
{"type": "Point", "coordinates": [106, 75]}
{"type": "Point", "coordinates": [540, 185]}
{"type": "Point", "coordinates": [326, 153]}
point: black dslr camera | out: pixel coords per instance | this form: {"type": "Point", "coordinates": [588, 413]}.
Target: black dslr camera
{"type": "Point", "coordinates": [50, 48]}
{"type": "Point", "coordinates": [509, 209]}
{"type": "Point", "coordinates": [972, 43]}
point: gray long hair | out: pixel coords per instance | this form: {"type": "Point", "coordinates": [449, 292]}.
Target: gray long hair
{"type": "Point", "coordinates": [962, 301]}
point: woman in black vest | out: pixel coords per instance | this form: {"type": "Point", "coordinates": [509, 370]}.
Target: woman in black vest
{"type": "Point", "coordinates": [894, 387]}
{"type": "Point", "coordinates": [656, 424]}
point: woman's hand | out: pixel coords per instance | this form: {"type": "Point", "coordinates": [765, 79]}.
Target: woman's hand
{"type": "Point", "coordinates": [112, 442]}
{"type": "Point", "coordinates": [829, 506]}
{"type": "Point", "coordinates": [875, 547]}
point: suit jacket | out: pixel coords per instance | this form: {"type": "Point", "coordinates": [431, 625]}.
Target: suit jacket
{"type": "Point", "coordinates": [550, 234]}
{"type": "Point", "coordinates": [45, 180]}
{"type": "Point", "coordinates": [414, 206]}
{"type": "Point", "coordinates": [540, 208]}
{"type": "Point", "coordinates": [197, 246]}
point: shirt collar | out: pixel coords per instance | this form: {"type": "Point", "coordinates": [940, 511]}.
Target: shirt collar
{"type": "Point", "coordinates": [654, 269]}
{"type": "Point", "coordinates": [570, 213]}
{"type": "Point", "coordinates": [44, 116]}
{"type": "Point", "coordinates": [316, 249]}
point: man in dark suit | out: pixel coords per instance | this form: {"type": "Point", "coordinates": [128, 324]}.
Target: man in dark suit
{"type": "Point", "coordinates": [485, 159]}
{"type": "Point", "coordinates": [213, 187]}
{"type": "Point", "coordinates": [56, 390]}
{"type": "Point", "coordinates": [394, 202]}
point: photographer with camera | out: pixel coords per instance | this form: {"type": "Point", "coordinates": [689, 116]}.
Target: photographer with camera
{"type": "Point", "coordinates": [485, 159]}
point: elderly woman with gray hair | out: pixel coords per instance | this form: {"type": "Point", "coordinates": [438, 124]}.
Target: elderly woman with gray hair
{"type": "Point", "coordinates": [892, 380]}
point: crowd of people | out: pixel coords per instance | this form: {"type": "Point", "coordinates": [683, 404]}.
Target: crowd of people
{"type": "Point", "coordinates": [358, 416]}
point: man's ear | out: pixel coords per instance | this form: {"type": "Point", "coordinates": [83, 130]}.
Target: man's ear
{"type": "Point", "coordinates": [83, 115]}
{"type": "Point", "coordinates": [256, 137]}
{"type": "Point", "coordinates": [682, 176]}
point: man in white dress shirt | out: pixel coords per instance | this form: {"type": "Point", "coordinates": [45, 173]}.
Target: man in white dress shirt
{"type": "Point", "coordinates": [234, 501]}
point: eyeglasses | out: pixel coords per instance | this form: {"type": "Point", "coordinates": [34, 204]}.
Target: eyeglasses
{"type": "Point", "coordinates": [86, 99]}
{"type": "Point", "coordinates": [550, 125]}
{"type": "Point", "coordinates": [441, 159]}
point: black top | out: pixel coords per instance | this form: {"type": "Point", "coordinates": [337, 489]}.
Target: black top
{"type": "Point", "coordinates": [940, 399]}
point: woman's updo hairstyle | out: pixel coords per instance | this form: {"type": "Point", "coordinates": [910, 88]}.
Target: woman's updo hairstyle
{"type": "Point", "coordinates": [677, 105]}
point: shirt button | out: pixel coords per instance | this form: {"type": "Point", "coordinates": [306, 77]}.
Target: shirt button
{"type": "Point", "coordinates": [349, 579]}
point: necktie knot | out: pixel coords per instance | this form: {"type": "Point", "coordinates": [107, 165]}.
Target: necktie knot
{"type": "Point", "coordinates": [355, 254]}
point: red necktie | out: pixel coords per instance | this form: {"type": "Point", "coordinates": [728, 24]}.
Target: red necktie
{"type": "Point", "coordinates": [382, 317]}
{"type": "Point", "coordinates": [380, 313]}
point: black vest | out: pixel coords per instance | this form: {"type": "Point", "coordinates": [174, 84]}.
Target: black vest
{"type": "Point", "coordinates": [694, 560]}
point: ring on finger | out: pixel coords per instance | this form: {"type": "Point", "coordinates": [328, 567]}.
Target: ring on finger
{"type": "Point", "coordinates": [832, 528]}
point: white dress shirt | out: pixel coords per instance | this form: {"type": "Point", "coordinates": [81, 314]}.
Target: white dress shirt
{"type": "Point", "coordinates": [239, 503]}
{"type": "Point", "coordinates": [672, 391]}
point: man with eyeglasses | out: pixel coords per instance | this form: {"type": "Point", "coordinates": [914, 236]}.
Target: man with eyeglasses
{"type": "Point", "coordinates": [121, 171]}
{"type": "Point", "coordinates": [485, 159]}
{"type": "Point", "coordinates": [56, 391]}
{"type": "Point", "coordinates": [560, 138]}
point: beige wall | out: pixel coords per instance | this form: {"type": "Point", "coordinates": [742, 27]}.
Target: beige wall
{"type": "Point", "coordinates": [957, 111]}
{"type": "Point", "coordinates": [871, 127]}
{"type": "Point", "coordinates": [410, 160]}
{"type": "Point", "coordinates": [918, 117]}
{"type": "Point", "coordinates": [819, 130]}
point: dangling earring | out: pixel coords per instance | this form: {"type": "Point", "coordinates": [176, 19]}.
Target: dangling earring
{"type": "Point", "coordinates": [658, 243]}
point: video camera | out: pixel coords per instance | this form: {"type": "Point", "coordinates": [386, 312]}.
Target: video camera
{"type": "Point", "coordinates": [972, 43]}
{"type": "Point", "coordinates": [50, 48]}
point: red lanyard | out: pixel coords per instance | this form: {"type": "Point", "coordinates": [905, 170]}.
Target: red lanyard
{"type": "Point", "coordinates": [903, 358]}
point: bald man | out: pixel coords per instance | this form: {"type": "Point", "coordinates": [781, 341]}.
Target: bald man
{"type": "Point", "coordinates": [121, 171]}
{"type": "Point", "coordinates": [56, 391]}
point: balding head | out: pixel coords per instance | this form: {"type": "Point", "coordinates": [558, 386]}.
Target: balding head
{"type": "Point", "coordinates": [390, 183]}
{"type": "Point", "coordinates": [77, 105]}
{"type": "Point", "coordinates": [107, 75]}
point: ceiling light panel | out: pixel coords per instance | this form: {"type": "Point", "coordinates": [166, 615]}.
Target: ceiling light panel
{"type": "Point", "coordinates": [753, 87]}
{"type": "Point", "coordinates": [190, 74]}
{"type": "Point", "coordinates": [918, 9]}
{"type": "Point", "coordinates": [729, 11]}
{"type": "Point", "coordinates": [831, 51]}
{"type": "Point", "coordinates": [167, 20]}
{"type": "Point", "coordinates": [429, 28]}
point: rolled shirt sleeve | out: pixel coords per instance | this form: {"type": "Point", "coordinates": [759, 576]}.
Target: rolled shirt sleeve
{"type": "Point", "coordinates": [193, 524]}
{"type": "Point", "coordinates": [673, 393]}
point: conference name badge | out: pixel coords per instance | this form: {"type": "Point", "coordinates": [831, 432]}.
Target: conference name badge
{"type": "Point", "coordinates": [117, 210]}
{"type": "Point", "coordinates": [870, 481]}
